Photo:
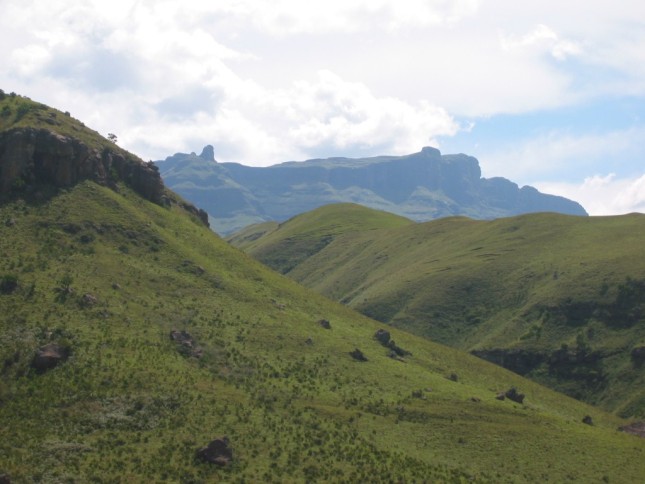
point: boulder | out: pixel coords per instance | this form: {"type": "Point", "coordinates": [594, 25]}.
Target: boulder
{"type": "Point", "coordinates": [500, 396]}
{"type": "Point", "coordinates": [636, 428]}
{"type": "Point", "coordinates": [49, 356]}
{"type": "Point", "coordinates": [217, 452]}
{"type": "Point", "coordinates": [8, 283]}
{"type": "Point", "coordinates": [88, 300]}
{"type": "Point", "coordinates": [397, 349]}
{"type": "Point", "coordinates": [514, 395]}
{"type": "Point", "coordinates": [358, 355]}
{"type": "Point", "coordinates": [187, 344]}
{"type": "Point", "coordinates": [638, 356]}
{"type": "Point", "coordinates": [324, 323]}
{"type": "Point", "coordinates": [587, 420]}
{"type": "Point", "coordinates": [382, 336]}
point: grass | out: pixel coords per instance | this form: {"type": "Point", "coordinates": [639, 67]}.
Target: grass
{"type": "Point", "coordinates": [284, 246]}
{"type": "Point", "coordinates": [515, 290]}
{"type": "Point", "coordinates": [21, 112]}
{"type": "Point", "coordinates": [128, 406]}
{"type": "Point", "coordinates": [109, 275]}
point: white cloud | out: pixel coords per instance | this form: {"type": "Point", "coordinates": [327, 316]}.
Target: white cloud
{"type": "Point", "coordinates": [288, 17]}
{"type": "Point", "coordinates": [270, 81]}
{"type": "Point", "coordinates": [603, 195]}
{"type": "Point", "coordinates": [342, 115]}
{"type": "Point", "coordinates": [542, 37]}
{"type": "Point", "coordinates": [564, 154]}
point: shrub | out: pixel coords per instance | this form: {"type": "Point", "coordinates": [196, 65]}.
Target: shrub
{"type": "Point", "coordinates": [23, 109]}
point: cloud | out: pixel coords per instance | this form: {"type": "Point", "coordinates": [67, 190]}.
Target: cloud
{"type": "Point", "coordinates": [542, 37]}
{"type": "Point", "coordinates": [347, 116]}
{"type": "Point", "coordinates": [262, 126]}
{"type": "Point", "coordinates": [564, 155]}
{"type": "Point", "coordinates": [602, 195]}
{"type": "Point", "coordinates": [289, 17]}
{"type": "Point", "coordinates": [270, 81]}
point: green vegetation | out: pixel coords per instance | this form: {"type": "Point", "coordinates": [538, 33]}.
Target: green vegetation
{"type": "Point", "coordinates": [21, 112]}
{"type": "Point", "coordinates": [557, 298]}
{"type": "Point", "coordinates": [94, 389]}
{"type": "Point", "coordinates": [284, 246]}
{"type": "Point", "coordinates": [129, 405]}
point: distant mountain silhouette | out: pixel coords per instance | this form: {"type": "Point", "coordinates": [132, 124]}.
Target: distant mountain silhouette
{"type": "Point", "coordinates": [421, 186]}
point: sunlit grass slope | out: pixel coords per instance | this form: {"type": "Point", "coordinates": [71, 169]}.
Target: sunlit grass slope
{"type": "Point", "coordinates": [21, 112]}
{"type": "Point", "coordinates": [558, 298]}
{"type": "Point", "coordinates": [129, 405]}
{"type": "Point", "coordinates": [284, 246]}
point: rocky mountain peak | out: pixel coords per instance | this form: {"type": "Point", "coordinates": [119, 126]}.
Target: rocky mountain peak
{"type": "Point", "coordinates": [208, 153]}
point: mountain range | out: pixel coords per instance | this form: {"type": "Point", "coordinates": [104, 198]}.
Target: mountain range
{"type": "Point", "coordinates": [138, 346]}
{"type": "Point", "coordinates": [421, 186]}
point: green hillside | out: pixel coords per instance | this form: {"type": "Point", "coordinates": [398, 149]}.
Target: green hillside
{"type": "Point", "coordinates": [284, 246]}
{"type": "Point", "coordinates": [21, 112]}
{"type": "Point", "coordinates": [557, 298]}
{"type": "Point", "coordinates": [95, 279]}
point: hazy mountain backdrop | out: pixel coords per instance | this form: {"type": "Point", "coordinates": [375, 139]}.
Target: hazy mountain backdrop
{"type": "Point", "coordinates": [421, 186]}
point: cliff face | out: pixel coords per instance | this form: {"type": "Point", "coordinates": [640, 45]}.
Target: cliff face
{"type": "Point", "coordinates": [30, 157]}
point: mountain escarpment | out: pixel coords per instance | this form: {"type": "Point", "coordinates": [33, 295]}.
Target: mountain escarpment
{"type": "Point", "coordinates": [32, 157]}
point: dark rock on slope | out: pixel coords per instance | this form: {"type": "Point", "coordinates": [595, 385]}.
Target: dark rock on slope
{"type": "Point", "coordinates": [217, 452]}
{"type": "Point", "coordinates": [29, 157]}
{"type": "Point", "coordinates": [421, 186]}
{"type": "Point", "coordinates": [49, 356]}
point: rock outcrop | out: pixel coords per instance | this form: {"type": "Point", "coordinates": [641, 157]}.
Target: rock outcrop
{"type": "Point", "coordinates": [636, 428]}
{"type": "Point", "coordinates": [638, 356]}
{"type": "Point", "coordinates": [358, 355]}
{"type": "Point", "coordinates": [29, 157]}
{"type": "Point", "coordinates": [186, 343]}
{"type": "Point", "coordinates": [514, 395]}
{"type": "Point", "coordinates": [217, 452]}
{"type": "Point", "coordinates": [49, 356]}
{"type": "Point", "coordinates": [382, 336]}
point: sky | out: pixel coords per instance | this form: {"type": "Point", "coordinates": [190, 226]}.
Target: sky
{"type": "Point", "coordinates": [546, 93]}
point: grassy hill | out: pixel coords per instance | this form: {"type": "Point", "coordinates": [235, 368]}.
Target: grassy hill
{"type": "Point", "coordinates": [557, 298]}
{"type": "Point", "coordinates": [106, 276]}
{"type": "Point", "coordinates": [21, 112]}
{"type": "Point", "coordinates": [284, 246]}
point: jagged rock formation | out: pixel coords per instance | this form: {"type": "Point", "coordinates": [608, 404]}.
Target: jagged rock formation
{"type": "Point", "coordinates": [421, 186]}
{"type": "Point", "coordinates": [29, 157]}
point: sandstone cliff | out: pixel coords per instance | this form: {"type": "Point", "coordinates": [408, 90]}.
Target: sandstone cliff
{"type": "Point", "coordinates": [30, 157]}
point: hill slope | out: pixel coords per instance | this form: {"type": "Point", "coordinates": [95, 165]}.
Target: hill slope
{"type": "Point", "coordinates": [559, 299]}
{"type": "Point", "coordinates": [421, 186]}
{"type": "Point", "coordinates": [95, 279]}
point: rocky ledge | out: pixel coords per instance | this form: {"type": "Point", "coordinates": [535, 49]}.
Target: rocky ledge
{"type": "Point", "coordinates": [30, 157]}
